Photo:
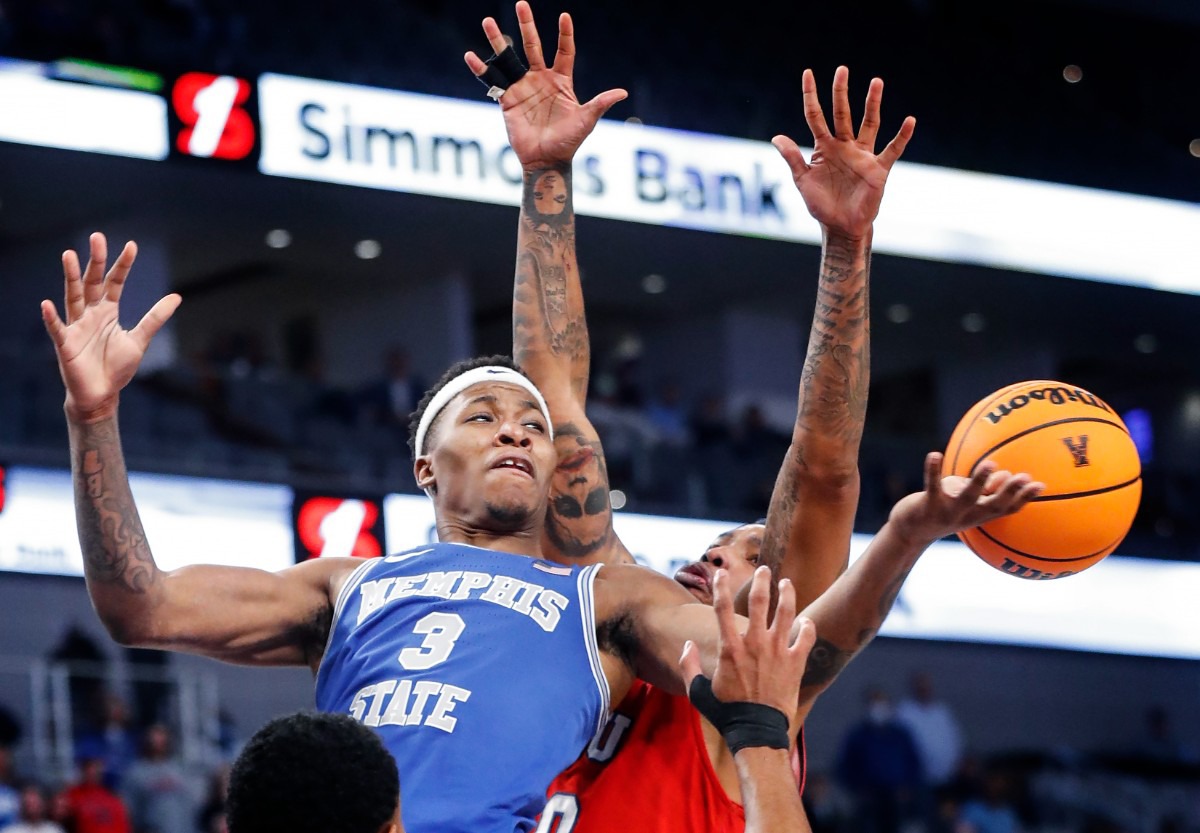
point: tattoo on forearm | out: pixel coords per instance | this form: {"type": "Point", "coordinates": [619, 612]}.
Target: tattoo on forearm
{"type": "Point", "coordinates": [545, 272]}
{"type": "Point", "coordinates": [833, 383]}
{"type": "Point", "coordinates": [824, 663]}
{"type": "Point", "coordinates": [578, 517]}
{"type": "Point", "coordinates": [110, 532]}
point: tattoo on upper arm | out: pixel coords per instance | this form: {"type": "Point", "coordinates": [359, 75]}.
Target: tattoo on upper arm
{"type": "Point", "coordinates": [827, 659]}
{"type": "Point", "coordinates": [579, 517]}
{"type": "Point", "coordinates": [111, 536]}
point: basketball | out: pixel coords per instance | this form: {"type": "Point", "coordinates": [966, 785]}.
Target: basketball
{"type": "Point", "coordinates": [1077, 445]}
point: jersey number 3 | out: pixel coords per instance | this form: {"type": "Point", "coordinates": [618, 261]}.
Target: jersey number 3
{"type": "Point", "coordinates": [441, 631]}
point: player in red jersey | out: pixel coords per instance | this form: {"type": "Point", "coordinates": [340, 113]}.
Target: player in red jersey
{"type": "Point", "coordinates": [659, 766]}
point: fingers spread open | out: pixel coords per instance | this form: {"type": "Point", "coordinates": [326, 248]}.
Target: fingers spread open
{"type": "Point", "coordinates": [475, 64]}
{"type": "Point", "coordinates": [73, 304]}
{"type": "Point", "coordinates": [897, 145]}
{"type": "Point", "coordinates": [564, 58]}
{"type": "Point", "coordinates": [723, 605]}
{"type": "Point", "coordinates": [806, 637]}
{"type": "Point", "coordinates": [690, 663]}
{"type": "Point", "coordinates": [979, 479]}
{"type": "Point", "coordinates": [115, 283]}
{"type": "Point", "coordinates": [93, 275]}
{"type": "Point", "coordinates": [760, 600]}
{"type": "Point", "coordinates": [812, 107]}
{"type": "Point", "coordinates": [790, 151]}
{"type": "Point", "coordinates": [600, 105]}
{"type": "Point", "coordinates": [933, 471]}
{"type": "Point", "coordinates": [842, 126]}
{"type": "Point", "coordinates": [495, 37]}
{"type": "Point", "coordinates": [153, 320]}
{"type": "Point", "coordinates": [785, 612]}
{"type": "Point", "coordinates": [54, 325]}
{"type": "Point", "coordinates": [529, 36]}
{"type": "Point", "coordinates": [869, 131]}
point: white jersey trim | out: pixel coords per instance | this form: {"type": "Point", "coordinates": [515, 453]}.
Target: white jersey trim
{"type": "Point", "coordinates": [348, 587]}
{"type": "Point", "coordinates": [587, 612]}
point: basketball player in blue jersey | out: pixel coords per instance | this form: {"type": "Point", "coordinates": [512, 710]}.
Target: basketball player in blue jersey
{"type": "Point", "coordinates": [484, 668]}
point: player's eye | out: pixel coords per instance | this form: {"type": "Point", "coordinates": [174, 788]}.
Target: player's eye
{"type": "Point", "coordinates": [480, 417]}
{"type": "Point", "coordinates": [535, 425]}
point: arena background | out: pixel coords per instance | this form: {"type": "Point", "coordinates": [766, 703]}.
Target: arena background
{"type": "Point", "coordinates": [295, 291]}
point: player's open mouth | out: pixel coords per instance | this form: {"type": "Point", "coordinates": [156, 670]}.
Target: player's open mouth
{"type": "Point", "coordinates": [516, 464]}
{"type": "Point", "coordinates": [694, 575]}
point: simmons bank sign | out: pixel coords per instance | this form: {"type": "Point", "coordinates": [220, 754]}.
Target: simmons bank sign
{"type": "Point", "coordinates": [445, 147]}
{"type": "Point", "coordinates": [452, 148]}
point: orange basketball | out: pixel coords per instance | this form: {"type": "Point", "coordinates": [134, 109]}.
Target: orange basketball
{"type": "Point", "coordinates": [1072, 441]}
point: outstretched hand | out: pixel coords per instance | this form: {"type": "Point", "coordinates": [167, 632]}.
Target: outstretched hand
{"type": "Point", "coordinates": [545, 121]}
{"type": "Point", "coordinates": [765, 664]}
{"type": "Point", "coordinates": [96, 357]}
{"type": "Point", "coordinates": [952, 504]}
{"type": "Point", "coordinates": [842, 184]}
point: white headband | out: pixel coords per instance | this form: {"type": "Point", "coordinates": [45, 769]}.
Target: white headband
{"type": "Point", "coordinates": [458, 384]}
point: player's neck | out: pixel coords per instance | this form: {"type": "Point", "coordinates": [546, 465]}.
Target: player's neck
{"type": "Point", "coordinates": [519, 542]}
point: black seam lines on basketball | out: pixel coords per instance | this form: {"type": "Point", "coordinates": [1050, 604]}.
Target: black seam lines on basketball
{"type": "Point", "coordinates": [1020, 434]}
{"type": "Point", "coordinates": [980, 408]}
{"type": "Point", "coordinates": [1105, 490]}
{"type": "Point", "coordinates": [1016, 551]}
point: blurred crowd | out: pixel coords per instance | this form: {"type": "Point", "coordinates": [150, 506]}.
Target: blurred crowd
{"type": "Point", "coordinates": [904, 767]}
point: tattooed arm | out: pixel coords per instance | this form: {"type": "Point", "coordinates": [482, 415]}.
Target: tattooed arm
{"type": "Point", "coordinates": [849, 614]}
{"type": "Point", "coordinates": [546, 124]}
{"type": "Point", "coordinates": [812, 507]}
{"type": "Point", "coordinates": [235, 614]}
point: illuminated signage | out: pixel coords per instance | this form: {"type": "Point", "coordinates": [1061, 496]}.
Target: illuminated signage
{"type": "Point", "coordinates": [213, 118]}
{"type": "Point", "coordinates": [1122, 605]}
{"type": "Point", "coordinates": [445, 147]}
{"type": "Point", "coordinates": [338, 526]}
{"type": "Point", "coordinates": [60, 114]}
{"type": "Point", "coordinates": [188, 520]}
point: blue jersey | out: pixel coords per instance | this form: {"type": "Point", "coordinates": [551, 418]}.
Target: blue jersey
{"type": "Point", "coordinates": [480, 671]}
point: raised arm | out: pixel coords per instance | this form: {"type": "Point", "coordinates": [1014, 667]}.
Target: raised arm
{"type": "Point", "coordinates": [751, 698]}
{"type": "Point", "coordinates": [849, 614]}
{"type": "Point", "coordinates": [235, 614]}
{"type": "Point", "coordinates": [546, 125]}
{"type": "Point", "coordinates": [812, 506]}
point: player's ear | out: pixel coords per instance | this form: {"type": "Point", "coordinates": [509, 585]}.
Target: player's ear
{"type": "Point", "coordinates": [423, 472]}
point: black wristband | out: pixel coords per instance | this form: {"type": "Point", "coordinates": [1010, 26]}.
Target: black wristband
{"type": "Point", "coordinates": [741, 724]}
{"type": "Point", "coordinates": [509, 65]}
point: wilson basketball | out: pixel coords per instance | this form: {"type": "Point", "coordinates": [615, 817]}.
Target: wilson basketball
{"type": "Point", "coordinates": [1077, 445]}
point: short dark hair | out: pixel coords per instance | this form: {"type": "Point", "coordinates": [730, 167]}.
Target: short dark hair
{"type": "Point", "coordinates": [312, 772]}
{"type": "Point", "coordinates": [453, 372]}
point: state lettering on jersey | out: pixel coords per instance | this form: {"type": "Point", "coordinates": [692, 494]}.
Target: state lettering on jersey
{"type": "Point", "coordinates": [545, 607]}
{"type": "Point", "coordinates": [408, 703]}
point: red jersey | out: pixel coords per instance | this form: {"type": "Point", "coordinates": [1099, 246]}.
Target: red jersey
{"type": "Point", "coordinates": [662, 780]}
{"type": "Point", "coordinates": [94, 809]}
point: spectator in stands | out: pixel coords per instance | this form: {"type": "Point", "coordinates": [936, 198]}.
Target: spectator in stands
{"type": "Point", "coordinates": [881, 767]}
{"type": "Point", "coordinates": [828, 809]}
{"type": "Point", "coordinates": [390, 399]}
{"type": "Point", "coordinates": [758, 448]}
{"type": "Point", "coordinates": [935, 730]}
{"type": "Point", "coordinates": [993, 812]}
{"type": "Point", "coordinates": [33, 816]}
{"type": "Point", "coordinates": [10, 798]}
{"type": "Point", "coordinates": [110, 738]}
{"type": "Point", "coordinates": [212, 817]}
{"type": "Point", "coordinates": [159, 795]}
{"type": "Point", "coordinates": [90, 806]}
{"type": "Point", "coordinates": [1162, 744]}
{"type": "Point", "coordinates": [10, 726]}
{"type": "Point", "coordinates": [668, 415]}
